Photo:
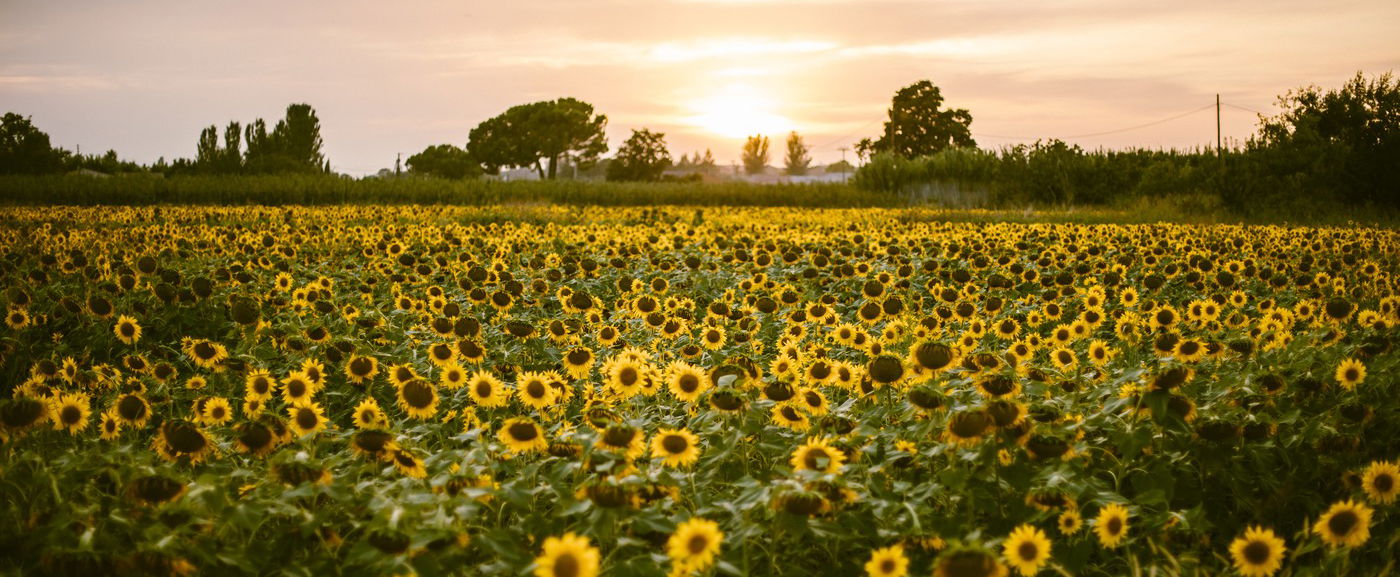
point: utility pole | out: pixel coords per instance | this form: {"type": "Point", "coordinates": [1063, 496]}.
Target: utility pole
{"type": "Point", "coordinates": [397, 163]}
{"type": "Point", "coordinates": [843, 150]}
{"type": "Point", "coordinates": [1219, 151]}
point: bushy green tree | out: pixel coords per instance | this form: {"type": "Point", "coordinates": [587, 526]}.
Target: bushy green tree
{"type": "Point", "coordinates": [444, 161]}
{"type": "Point", "coordinates": [643, 157]}
{"type": "Point", "coordinates": [919, 126]}
{"type": "Point", "coordinates": [539, 135]}
{"type": "Point", "coordinates": [25, 149]}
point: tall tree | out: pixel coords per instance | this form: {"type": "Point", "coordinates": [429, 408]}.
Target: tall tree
{"type": "Point", "coordinates": [797, 159]}
{"type": "Point", "coordinates": [232, 160]}
{"type": "Point", "coordinates": [540, 135]}
{"type": "Point", "coordinates": [25, 149]}
{"type": "Point", "coordinates": [642, 157]}
{"type": "Point", "coordinates": [208, 155]}
{"type": "Point", "coordinates": [299, 137]}
{"type": "Point", "coordinates": [443, 161]}
{"type": "Point", "coordinates": [919, 127]}
{"type": "Point", "coordinates": [755, 155]}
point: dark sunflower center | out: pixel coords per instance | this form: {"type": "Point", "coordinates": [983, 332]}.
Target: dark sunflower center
{"type": "Point", "coordinates": [372, 441]}
{"type": "Point", "coordinates": [131, 408]}
{"type": "Point", "coordinates": [1065, 357]}
{"type": "Point", "coordinates": [933, 356]}
{"type": "Point", "coordinates": [886, 369]}
{"type": "Point", "coordinates": [791, 414]}
{"type": "Point", "coordinates": [536, 389]}
{"type": "Point", "coordinates": [1189, 348]}
{"type": "Point", "coordinates": [627, 376]}
{"type": "Point", "coordinates": [689, 383]}
{"type": "Point", "coordinates": [1342, 523]}
{"type": "Point", "coordinates": [185, 438]}
{"type": "Point", "coordinates": [418, 394]}
{"type": "Point", "coordinates": [619, 436]}
{"type": "Point", "coordinates": [674, 444]}
{"type": "Point", "coordinates": [306, 418]}
{"type": "Point", "coordinates": [523, 432]}
{"type": "Point", "coordinates": [968, 425]}
{"type": "Point", "coordinates": [1256, 552]}
{"type": "Point", "coordinates": [1028, 551]}
{"type": "Point", "coordinates": [1115, 526]}
{"type": "Point", "coordinates": [361, 366]}
{"type": "Point", "coordinates": [128, 329]}
{"type": "Point", "coordinates": [998, 385]}
{"type": "Point", "coordinates": [205, 351]}
{"type": "Point", "coordinates": [578, 357]}
{"type": "Point", "coordinates": [483, 389]}
{"type": "Point", "coordinates": [566, 565]}
{"type": "Point", "coordinates": [887, 565]}
{"type": "Point", "coordinates": [261, 386]}
{"type": "Point", "coordinates": [816, 459]}
{"type": "Point", "coordinates": [1351, 375]}
{"type": "Point", "coordinates": [1383, 483]}
{"type": "Point", "coordinates": [296, 388]}
{"type": "Point", "coordinates": [697, 544]}
{"type": "Point", "coordinates": [255, 436]}
{"type": "Point", "coordinates": [405, 460]}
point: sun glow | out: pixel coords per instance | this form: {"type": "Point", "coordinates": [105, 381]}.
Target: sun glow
{"type": "Point", "coordinates": [738, 110]}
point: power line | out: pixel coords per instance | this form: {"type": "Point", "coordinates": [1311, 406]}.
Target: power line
{"type": "Point", "coordinates": [1101, 133]}
{"type": "Point", "coordinates": [1246, 109]}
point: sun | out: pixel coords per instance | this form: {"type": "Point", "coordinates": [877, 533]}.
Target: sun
{"type": "Point", "coordinates": [736, 111]}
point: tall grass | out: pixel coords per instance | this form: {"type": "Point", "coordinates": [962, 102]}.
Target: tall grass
{"type": "Point", "coordinates": [322, 190]}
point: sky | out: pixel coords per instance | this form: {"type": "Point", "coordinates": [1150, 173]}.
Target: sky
{"type": "Point", "coordinates": [143, 77]}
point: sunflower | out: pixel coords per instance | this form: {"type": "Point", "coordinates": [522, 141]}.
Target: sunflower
{"type": "Point", "coordinates": [1070, 522]}
{"type": "Point", "coordinates": [1350, 373]}
{"type": "Point", "coordinates": [452, 377]}
{"type": "Point", "coordinates": [887, 562]}
{"type": "Point", "coordinates": [578, 362]}
{"type": "Point", "coordinates": [368, 415]}
{"type": "Point", "coordinates": [206, 354]}
{"type": "Point", "coordinates": [401, 373]}
{"type": "Point", "coordinates": [306, 418]}
{"type": "Point", "coordinates": [567, 556]}
{"type": "Point", "coordinates": [522, 435]}
{"type": "Point", "coordinates": [418, 398]}
{"type": "Point", "coordinates": [297, 389]}
{"type": "Point", "coordinates": [1345, 524]}
{"type": "Point", "coordinates": [259, 385]}
{"type": "Point", "coordinates": [255, 438]}
{"type": "Point", "coordinates": [1026, 549]}
{"type": "Point", "coordinates": [1259, 553]}
{"type": "Point", "coordinates": [1379, 481]}
{"type": "Point", "coordinates": [817, 454]}
{"type": "Point", "coordinates": [676, 447]}
{"type": "Point", "coordinates": [533, 390]}
{"type": "Point", "coordinates": [407, 463]}
{"type": "Point", "coordinates": [686, 381]}
{"type": "Point", "coordinates": [17, 318]}
{"type": "Point", "coordinates": [967, 427]}
{"type": "Point", "coordinates": [486, 390]}
{"type": "Point", "coordinates": [1111, 526]}
{"type": "Point", "coordinates": [180, 438]}
{"type": "Point", "coordinates": [110, 426]}
{"type": "Point", "coordinates": [216, 411]}
{"type": "Point", "coordinates": [622, 438]}
{"type": "Point", "coordinates": [695, 544]}
{"type": "Point", "coordinates": [127, 330]}
{"type": "Point", "coordinates": [1064, 358]}
{"type": "Point", "coordinates": [70, 411]}
{"type": "Point", "coordinates": [373, 443]}
{"type": "Point", "coordinates": [788, 416]}
{"type": "Point", "coordinates": [132, 409]}
{"type": "Point", "coordinates": [1189, 350]}
{"type": "Point", "coordinates": [625, 377]}
{"type": "Point", "coordinates": [360, 369]}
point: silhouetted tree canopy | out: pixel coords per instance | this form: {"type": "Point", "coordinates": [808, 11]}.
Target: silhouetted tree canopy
{"type": "Point", "coordinates": [643, 157]}
{"type": "Point", "coordinates": [755, 154]}
{"type": "Point", "coordinates": [443, 161]}
{"type": "Point", "coordinates": [539, 135]}
{"type": "Point", "coordinates": [25, 149]}
{"type": "Point", "coordinates": [918, 126]}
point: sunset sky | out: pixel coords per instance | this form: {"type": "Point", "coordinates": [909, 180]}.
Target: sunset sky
{"type": "Point", "coordinates": [144, 76]}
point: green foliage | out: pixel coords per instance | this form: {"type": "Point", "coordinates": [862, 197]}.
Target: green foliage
{"type": "Point", "coordinates": [25, 149]}
{"type": "Point", "coordinates": [444, 161]}
{"type": "Point", "coordinates": [917, 126]}
{"type": "Point", "coordinates": [528, 134]}
{"type": "Point", "coordinates": [755, 154]}
{"type": "Point", "coordinates": [293, 146]}
{"type": "Point", "coordinates": [643, 157]}
{"type": "Point", "coordinates": [797, 159]}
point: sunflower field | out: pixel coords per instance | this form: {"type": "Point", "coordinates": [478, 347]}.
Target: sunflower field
{"type": "Point", "coordinates": [580, 391]}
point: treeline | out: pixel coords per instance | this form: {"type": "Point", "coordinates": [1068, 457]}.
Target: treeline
{"type": "Point", "coordinates": [1326, 149]}
{"type": "Point", "coordinates": [319, 189]}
